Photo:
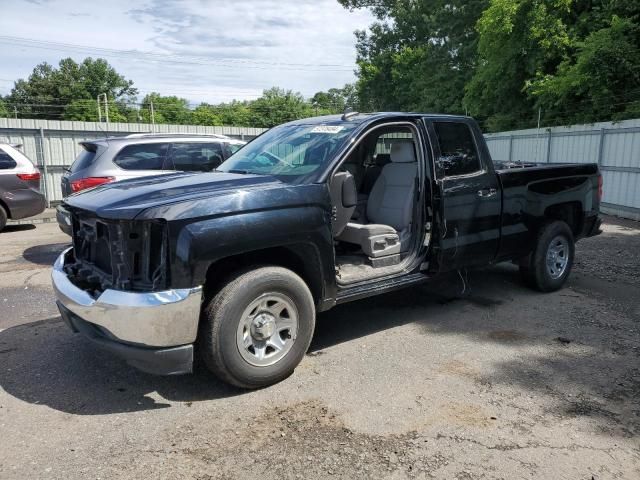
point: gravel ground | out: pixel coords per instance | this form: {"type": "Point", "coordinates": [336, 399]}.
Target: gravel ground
{"type": "Point", "coordinates": [501, 383]}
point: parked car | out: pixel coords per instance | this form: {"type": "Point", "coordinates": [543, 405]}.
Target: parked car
{"type": "Point", "coordinates": [235, 264]}
{"type": "Point", "coordinates": [20, 195]}
{"type": "Point", "coordinates": [141, 155]}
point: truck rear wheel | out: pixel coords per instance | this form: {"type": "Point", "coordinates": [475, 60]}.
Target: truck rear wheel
{"type": "Point", "coordinates": [550, 263]}
{"type": "Point", "coordinates": [258, 327]}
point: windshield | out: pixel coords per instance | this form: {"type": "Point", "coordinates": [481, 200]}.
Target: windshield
{"type": "Point", "coordinates": [290, 152]}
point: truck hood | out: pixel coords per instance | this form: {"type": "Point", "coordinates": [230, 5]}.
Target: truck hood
{"type": "Point", "coordinates": [127, 199]}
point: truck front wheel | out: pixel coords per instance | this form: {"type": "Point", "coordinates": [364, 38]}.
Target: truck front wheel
{"type": "Point", "coordinates": [549, 265]}
{"type": "Point", "coordinates": [257, 328]}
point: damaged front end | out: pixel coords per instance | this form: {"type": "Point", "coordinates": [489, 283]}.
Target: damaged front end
{"type": "Point", "coordinates": [126, 255]}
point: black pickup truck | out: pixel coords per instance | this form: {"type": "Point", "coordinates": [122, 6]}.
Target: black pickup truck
{"type": "Point", "coordinates": [234, 264]}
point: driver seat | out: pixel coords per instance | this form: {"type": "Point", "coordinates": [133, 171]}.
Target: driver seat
{"type": "Point", "coordinates": [390, 207]}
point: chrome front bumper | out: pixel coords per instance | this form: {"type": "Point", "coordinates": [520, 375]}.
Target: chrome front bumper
{"type": "Point", "coordinates": [148, 320]}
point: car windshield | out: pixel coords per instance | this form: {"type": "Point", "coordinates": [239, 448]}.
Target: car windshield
{"type": "Point", "coordinates": [290, 152]}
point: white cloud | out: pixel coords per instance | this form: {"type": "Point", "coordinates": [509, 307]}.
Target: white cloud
{"type": "Point", "coordinates": [212, 50]}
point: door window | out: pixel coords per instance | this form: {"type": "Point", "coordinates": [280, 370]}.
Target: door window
{"type": "Point", "coordinates": [458, 152]}
{"type": "Point", "coordinates": [6, 162]}
{"type": "Point", "coordinates": [150, 156]}
{"type": "Point", "coordinates": [195, 157]}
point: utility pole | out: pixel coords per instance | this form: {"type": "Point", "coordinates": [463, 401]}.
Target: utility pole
{"type": "Point", "coordinates": [106, 107]}
{"type": "Point", "coordinates": [15, 112]}
{"type": "Point", "coordinates": [153, 117]}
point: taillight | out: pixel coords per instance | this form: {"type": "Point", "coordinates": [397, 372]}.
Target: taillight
{"type": "Point", "coordinates": [28, 176]}
{"type": "Point", "coordinates": [599, 187]}
{"type": "Point", "coordinates": [84, 183]}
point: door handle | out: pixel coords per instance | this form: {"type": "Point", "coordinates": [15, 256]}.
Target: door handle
{"type": "Point", "coordinates": [487, 192]}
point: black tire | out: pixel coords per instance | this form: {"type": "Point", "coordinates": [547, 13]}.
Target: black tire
{"type": "Point", "coordinates": [3, 218]}
{"type": "Point", "coordinates": [535, 271]}
{"type": "Point", "coordinates": [222, 315]}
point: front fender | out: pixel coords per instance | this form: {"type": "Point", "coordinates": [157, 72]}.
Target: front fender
{"type": "Point", "coordinates": [204, 242]}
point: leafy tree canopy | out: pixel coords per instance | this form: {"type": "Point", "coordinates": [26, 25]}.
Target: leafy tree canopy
{"type": "Point", "coordinates": [69, 91]}
{"type": "Point", "coordinates": [418, 55]}
{"type": "Point", "coordinates": [4, 112]}
{"type": "Point", "coordinates": [502, 60]}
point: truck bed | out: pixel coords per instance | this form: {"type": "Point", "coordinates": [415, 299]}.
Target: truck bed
{"type": "Point", "coordinates": [515, 174]}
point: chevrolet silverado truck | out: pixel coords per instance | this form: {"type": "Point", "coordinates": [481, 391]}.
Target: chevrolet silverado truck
{"type": "Point", "coordinates": [233, 265]}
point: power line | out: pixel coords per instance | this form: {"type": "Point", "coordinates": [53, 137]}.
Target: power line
{"type": "Point", "coordinates": [242, 93]}
{"type": "Point", "coordinates": [177, 59]}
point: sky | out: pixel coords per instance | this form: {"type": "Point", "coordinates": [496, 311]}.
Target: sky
{"type": "Point", "coordinates": [202, 50]}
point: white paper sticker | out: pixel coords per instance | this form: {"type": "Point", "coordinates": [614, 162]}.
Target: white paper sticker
{"type": "Point", "coordinates": [327, 129]}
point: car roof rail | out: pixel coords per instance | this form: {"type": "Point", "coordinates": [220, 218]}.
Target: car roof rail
{"type": "Point", "coordinates": [181, 134]}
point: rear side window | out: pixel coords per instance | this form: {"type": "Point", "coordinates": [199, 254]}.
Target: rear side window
{"type": "Point", "coordinates": [85, 158]}
{"type": "Point", "coordinates": [386, 141]}
{"type": "Point", "coordinates": [195, 157]}
{"type": "Point", "coordinates": [149, 156]}
{"type": "Point", "coordinates": [6, 162]}
{"type": "Point", "coordinates": [458, 153]}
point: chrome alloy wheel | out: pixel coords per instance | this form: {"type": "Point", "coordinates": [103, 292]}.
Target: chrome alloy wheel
{"type": "Point", "coordinates": [267, 329]}
{"type": "Point", "coordinates": [557, 257]}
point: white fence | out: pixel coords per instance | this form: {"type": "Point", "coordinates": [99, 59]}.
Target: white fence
{"type": "Point", "coordinates": [53, 145]}
{"type": "Point", "coordinates": [615, 147]}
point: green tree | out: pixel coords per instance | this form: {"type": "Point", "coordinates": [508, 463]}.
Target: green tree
{"type": "Point", "coordinates": [166, 109]}
{"type": "Point", "coordinates": [49, 92]}
{"type": "Point", "coordinates": [277, 106]}
{"type": "Point", "coordinates": [335, 100]}
{"type": "Point", "coordinates": [576, 60]}
{"type": "Point", "coordinates": [418, 55]}
{"type": "Point", "coordinates": [205, 114]}
{"type": "Point", "coordinates": [601, 81]}
{"type": "Point", "coordinates": [4, 112]}
{"type": "Point", "coordinates": [519, 39]}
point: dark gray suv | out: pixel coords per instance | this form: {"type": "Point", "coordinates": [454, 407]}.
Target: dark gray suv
{"type": "Point", "coordinates": [20, 195]}
{"type": "Point", "coordinates": [140, 155]}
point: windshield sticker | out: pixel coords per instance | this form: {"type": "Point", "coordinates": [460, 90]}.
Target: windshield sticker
{"type": "Point", "coordinates": [327, 129]}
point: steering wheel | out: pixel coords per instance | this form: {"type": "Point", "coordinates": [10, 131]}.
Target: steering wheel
{"type": "Point", "coordinates": [275, 159]}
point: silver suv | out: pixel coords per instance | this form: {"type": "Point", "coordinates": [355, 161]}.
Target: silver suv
{"type": "Point", "coordinates": [20, 195]}
{"type": "Point", "coordinates": [139, 155]}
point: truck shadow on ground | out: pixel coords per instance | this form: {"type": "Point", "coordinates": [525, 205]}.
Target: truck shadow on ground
{"type": "Point", "coordinates": [44, 254]}
{"type": "Point", "coordinates": [45, 363]}
{"type": "Point", "coordinates": [18, 227]}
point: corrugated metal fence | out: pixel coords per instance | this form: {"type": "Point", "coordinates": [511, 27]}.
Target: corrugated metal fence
{"type": "Point", "coordinates": [615, 147]}
{"type": "Point", "coordinates": [53, 145]}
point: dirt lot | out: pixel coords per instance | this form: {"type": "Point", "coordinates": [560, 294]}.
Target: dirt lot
{"type": "Point", "coordinates": [502, 383]}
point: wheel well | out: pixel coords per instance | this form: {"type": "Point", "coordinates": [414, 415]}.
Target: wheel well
{"type": "Point", "coordinates": [6, 209]}
{"type": "Point", "coordinates": [301, 259]}
{"type": "Point", "coordinates": [570, 213]}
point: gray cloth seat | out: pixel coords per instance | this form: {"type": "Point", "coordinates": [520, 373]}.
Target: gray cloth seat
{"type": "Point", "coordinates": [372, 172]}
{"type": "Point", "coordinates": [389, 207]}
